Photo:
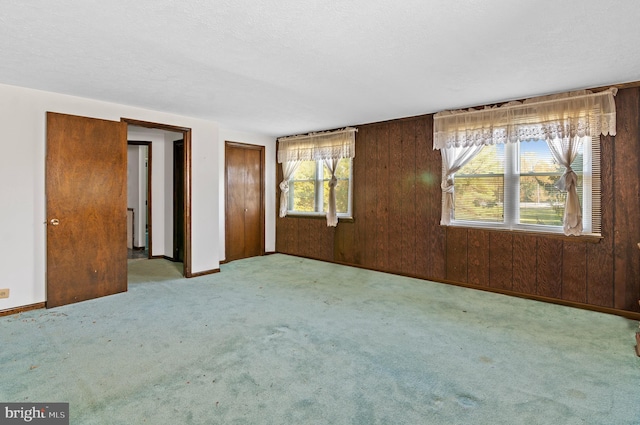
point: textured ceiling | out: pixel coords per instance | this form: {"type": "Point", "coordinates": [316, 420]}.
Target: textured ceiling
{"type": "Point", "coordinates": [282, 67]}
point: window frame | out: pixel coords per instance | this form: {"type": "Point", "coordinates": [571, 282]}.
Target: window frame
{"type": "Point", "coordinates": [511, 193]}
{"type": "Point", "coordinates": [319, 182]}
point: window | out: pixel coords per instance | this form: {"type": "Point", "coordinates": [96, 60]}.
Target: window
{"type": "Point", "coordinates": [531, 165]}
{"type": "Point", "coordinates": [309, 188]}
{"type": "Point", "coordinates": [316, 173]}
{"type": "Point", "coordinates": [479, 188]}
{"type": "Point", "coordinates": [513, 186]}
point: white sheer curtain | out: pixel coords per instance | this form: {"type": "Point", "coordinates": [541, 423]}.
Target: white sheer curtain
{"type": "Point", "coordinates": [329, 146]}
{"type": "Point", "coordinates": [288, 168]}
{"type": "Point", "coordinates": [332, 216]}
{"type": "Point", "coordinates": [542, 118]}
{"type": "Point", "coordinates": [564, 151]}
{"type": "Point", "coordinates": [318, 146]}
{"type": "Point", "coordinates": [565, 117]}
{"type": "Point", "coordinates": [453, 159]}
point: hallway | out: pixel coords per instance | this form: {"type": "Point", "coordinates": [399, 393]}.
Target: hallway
{"type": "Point", "coordinates": [133, 254]}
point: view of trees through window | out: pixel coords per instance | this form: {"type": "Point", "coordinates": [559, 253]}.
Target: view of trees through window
{"type": "Point", "coordinates": [309, 187]}
{"type": "Point", "coordinates": [480, 185]}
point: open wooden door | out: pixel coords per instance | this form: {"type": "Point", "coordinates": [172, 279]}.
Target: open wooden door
{"type": "Point", "coordinates": [86, 190]}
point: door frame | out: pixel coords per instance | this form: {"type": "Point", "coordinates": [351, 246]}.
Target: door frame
{"type": "Point", "coordinates": [238, 145]}
{"type": "Point", "coordinates": [178, 215]}
{"type": "Point", "coordinates": [149, 209]}
{"type": "Point", "coordinates": [186, 133]}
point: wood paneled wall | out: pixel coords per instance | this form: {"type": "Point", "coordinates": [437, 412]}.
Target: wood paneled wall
{"type": "Point", "coordinates": [396, 226]}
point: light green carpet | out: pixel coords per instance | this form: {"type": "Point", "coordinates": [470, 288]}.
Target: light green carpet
{"type": "Point", "coordinates": [285, 340]}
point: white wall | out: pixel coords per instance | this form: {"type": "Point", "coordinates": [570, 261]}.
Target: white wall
{"type": "Point", "coordinates": [167, 147]}
{"type": "Point", "coordinates": [137, 191]}
{"type": "Point", "coordinates": [22, 184]}
{"type": "Point", "coordinates": [133, 187]}
{"type": "Point", "coordinates": [161, 185]}
{"type": "Point", "coordinates": [269, 185]}
{"type": "Point", "coordinates": [140, 237]}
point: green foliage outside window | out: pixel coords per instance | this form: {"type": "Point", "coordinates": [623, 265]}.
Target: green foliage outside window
{"type": "Point", "coordinates": [480, 186]}
{"type": "Point", "coordinates": [304, 199]}
{"type": "Point", "coordinates": [312, 176]}
{"type": "Point", "coordinates": [343, 172]}
{"type": "Point", "coordinates": [303, 187]}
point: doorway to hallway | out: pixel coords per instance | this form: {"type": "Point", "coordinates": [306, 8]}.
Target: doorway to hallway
{"type": "Point", "coordinates": [169, 209]}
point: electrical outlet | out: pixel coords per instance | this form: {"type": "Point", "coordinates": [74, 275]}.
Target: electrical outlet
{"type": "Point", "coordinates": [4, 293]}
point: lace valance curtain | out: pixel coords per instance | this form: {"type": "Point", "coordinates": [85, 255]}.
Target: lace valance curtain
{"type": "Point", "coordinates": [329, 147]}
{"type": "Point", "coordinates": [560, 120]}
{"type": "Point", "coordinates": [568, 115]}
{"type": "Point", "coordinates": [318, 146]}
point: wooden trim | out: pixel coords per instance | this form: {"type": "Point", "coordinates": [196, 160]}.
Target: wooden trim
{"type": "Point", "coordinates": [613, 311]}
{"type": "Point", "coordinates": [242, 145]}
{"type": "Point", "coordinates": [222, 262]}
{"type": "Point", "coordinates": [149, 200]}
{"type": "Point", "coordinates": [21, 309]}
{"type": "Point", "coordinates": [186, 131]}
{"type": "Point", "coordinates": [619, 86]}
{"type": "Point", "coordinates": [187, 204]}
{"type": "Point", "coordinates": [205, 273]}
{"type": "Point", "coordinates": [133, 225]}
{"type": "Point", "coordinates": [561, 236]}
{"type": "Point", "coordinates": [319, 216]}
{"type": "Point", "coordinates": [160, 126]}
{"type": "Point", "coordinates": [179, 205]}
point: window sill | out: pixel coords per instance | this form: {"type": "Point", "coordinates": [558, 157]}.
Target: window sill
{"type": "Point", "coordinates": [588, 238]}
{"type": "Point", "coordinates": [318, 217]}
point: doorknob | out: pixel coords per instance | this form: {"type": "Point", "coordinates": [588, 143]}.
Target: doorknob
{"type": "Point", "coordinates": [54, 221]}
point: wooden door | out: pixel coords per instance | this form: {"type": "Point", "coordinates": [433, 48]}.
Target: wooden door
{"type": "Point", "coordinates": [178, 200]}
{"type": "Point", "coordinates": [244, 213]}
{"type": "Point", "coordinates": [86, 190]}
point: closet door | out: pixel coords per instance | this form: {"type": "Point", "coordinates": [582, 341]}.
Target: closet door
{"type": "Point", "coordinates": [244, 212]}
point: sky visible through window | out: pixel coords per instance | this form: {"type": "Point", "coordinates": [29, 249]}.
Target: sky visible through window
{"type": "Point", "coordinates": [480, 186]}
